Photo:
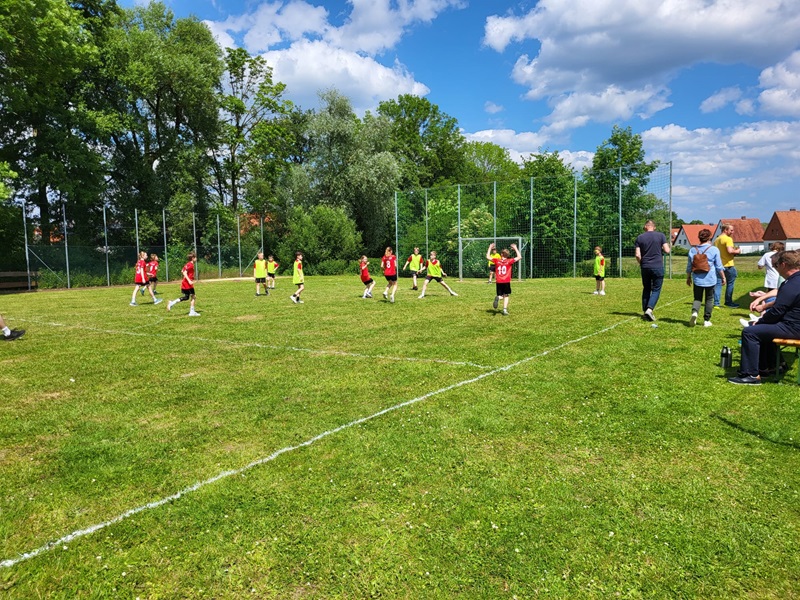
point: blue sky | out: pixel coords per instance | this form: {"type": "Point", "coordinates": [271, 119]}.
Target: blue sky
{"type": "Point", "coordinates": [711, 85]}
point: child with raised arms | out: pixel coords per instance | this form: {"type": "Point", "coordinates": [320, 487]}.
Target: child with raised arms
{"type": "Point", "coordinates": [435, 272]}
{"type": "Point", "coordinates": [389, 266]}
{"type": "Point", "coordinates": [363, 268]}
{"type": "Point", "coordinates": [503, 272]}
{"type": "Point", "coordinates": [298, 278]}
{"type": "Point", "coordinates": [187, 286]}
{"type": "Point", "coordinates": [260, 273]}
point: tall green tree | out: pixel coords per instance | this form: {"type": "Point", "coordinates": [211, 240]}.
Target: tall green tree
{"type": "Point", "coordinates": [487, 161]}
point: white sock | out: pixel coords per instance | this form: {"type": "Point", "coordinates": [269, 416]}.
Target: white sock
{"type": "Point", "coordinates": [6, 331]}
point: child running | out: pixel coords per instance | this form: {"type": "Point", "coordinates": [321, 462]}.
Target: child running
{"type": "Point", "coordinates": [8, 333]}
{"type": "Point", "coordinates": [140, 279]}
{"type": "Point", "coordinates": [272, 268]}
{"type": "Point", "coordinates": [152, 272]}
{"type": "Point", "coordinates": [260, 274]}
{"type": "Point", "coordinates": [389, 266]}
{"type": "Point", "coordinates": [298, 278]}
{"type": "Point", "coordinates": [435, 272]}
{"type": "Point", "coordinates": [599, 271]}
{"type": "Point", "coordinates": [503, 269]}
{"type": "Point", "coordinates": [187, 286]}
{"type": "Point", "coordinates": [417, 262]}
{"type": "Point", "coordinates": [365, 278]}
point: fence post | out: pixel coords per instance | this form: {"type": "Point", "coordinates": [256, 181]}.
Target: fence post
{"type": "Point", "coordinates": [620, 218]}
{"type": "Point", "coordinates": [105, 238]}
{"type": "Point", "coordinates": [27, 256]}
{"type": "Point", "coordinates": [262, 232]}
{"type": "Point", "coordinates": [194, 241]}
{"type": "Point", "coordinates": [495, 212]}
{"type": "Point", "coordinates": [396, 231]}
{"type": "Point", "coordinates": [166, 253]}
{"type": "Point", "coordinates": [427, 249]}
{"type": "Point", "coordinates": [219, 250]}
{"type": "Point", "coordinates": [670, 220]}
{"type": "Point", "coordinates": [460, 249]}
{"type": "Point", "coordinates": [66, 248]}
{"type": "Point", "coordinates": [575, 226]}
{"type": "Point", "coordinates": [136, 226]}
{"type": "Point", "coordinates": [239, 238]}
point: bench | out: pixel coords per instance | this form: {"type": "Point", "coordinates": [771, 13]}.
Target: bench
{"type": "Point", "coordinates": [17, 280]}
{"type": "Point", "coordinates": [785, 343]}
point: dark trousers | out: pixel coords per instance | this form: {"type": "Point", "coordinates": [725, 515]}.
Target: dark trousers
{"type": "Point", "coordinates": [698, 299]}
{"type": "Point", "coordinates": [758, 351]}
{"type": "Point", "coordinates": [651, 286]}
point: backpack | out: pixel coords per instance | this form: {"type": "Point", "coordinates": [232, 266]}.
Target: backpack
{"type": "Point", "coordinates": [700, 262]}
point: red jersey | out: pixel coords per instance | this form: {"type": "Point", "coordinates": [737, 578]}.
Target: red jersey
{"type": "Point", "coordinates": [389, 265]}
{"type": "Point", "coordinates": [504, 267]}
{"type": "Point", "coordinates": [364, 272]}
{"type": "Point", "coordinates": [140, 275]}
{"type": "Point", "coordinates": [188, 271]}
{"type": "Point", "coordinates": [152, 268]}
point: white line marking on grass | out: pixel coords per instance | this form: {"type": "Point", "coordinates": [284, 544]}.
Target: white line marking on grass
{"type": "Point", "coordinates": [455, 363]}
{"type": "Point", "coordinates": [225, 474]}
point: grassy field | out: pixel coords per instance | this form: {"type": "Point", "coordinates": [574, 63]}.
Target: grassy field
{"type": "Point", "coordinates": [349, 448]}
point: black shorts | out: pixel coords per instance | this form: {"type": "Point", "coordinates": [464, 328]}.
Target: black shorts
{"type": "Point", "coordinates": [493, 268]}
{"type": "Point", "coordinates": [391, 278]}
{"type": "Point", "coordinates": [187, 293]}
{"type": "Point", "coordinates": [271, 275]}
{"type": "Point", "coordinates": [261, 280]}
{"type": "Point", "coordinates": [429, 277]}
{"type": "Point", "coordinates": [417, 273]}
{"type": "Point", "coordinates": [503, 289]}
{"type": "Point", "coordinates": [368, 282]}
{"type": "Point", "coordinates": [142, 283]}
{"type": "Point", "coordinates": [153, 280]}
{"type": "Point", "coordinates": [599, 277]}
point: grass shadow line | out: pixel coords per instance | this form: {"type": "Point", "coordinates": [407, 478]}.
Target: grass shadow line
{"type": "Point", "coordinates": [754, 433]}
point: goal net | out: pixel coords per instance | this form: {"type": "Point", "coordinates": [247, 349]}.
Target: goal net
{"type": "Point", "coordinates": [472, 255]}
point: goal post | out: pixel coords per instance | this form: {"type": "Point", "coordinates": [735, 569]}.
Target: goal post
{"type": "Point", "coordinates": [472, 254]}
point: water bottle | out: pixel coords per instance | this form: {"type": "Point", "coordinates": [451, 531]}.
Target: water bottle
{"type": "Point", "coordinates": [725, 358]}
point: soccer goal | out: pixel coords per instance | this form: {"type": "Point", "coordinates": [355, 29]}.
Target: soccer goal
{"type": "Point", "coordinates": [472, 255]}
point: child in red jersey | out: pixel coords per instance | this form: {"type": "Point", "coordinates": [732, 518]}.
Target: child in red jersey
{"type": "Point", "coordinates": [141, 279]}
{"type": "Point", "coordinates": [389, 266]}
{"type": "Point", "coordinates": [187, 286]}
{"type": "Point", "coordinates": [365, 278]}
{"type": "Point", "coordinates": [152, 272]}
{"type": "Point", "coordinates": [503, 268]}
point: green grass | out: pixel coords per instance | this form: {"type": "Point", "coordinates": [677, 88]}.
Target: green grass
{"type": "Point", "coordinates": [612, 459]}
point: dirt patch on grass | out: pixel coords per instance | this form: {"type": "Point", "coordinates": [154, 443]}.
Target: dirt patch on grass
{"type": "Point", "coordinates": [248, 318]}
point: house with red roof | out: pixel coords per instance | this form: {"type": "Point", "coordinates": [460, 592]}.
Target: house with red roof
{"type": "Point", "coordinates": [783, 227]}
{"type": "Point", "coordinates": [687, 234]}
{"type": "Point", "coordinates": [748, 234]}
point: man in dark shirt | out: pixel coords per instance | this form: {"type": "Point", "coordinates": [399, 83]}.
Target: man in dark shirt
{"type": "Point", "coordinates": [782, 320]}
{"type": "Point", "coordinates": [649, 247]}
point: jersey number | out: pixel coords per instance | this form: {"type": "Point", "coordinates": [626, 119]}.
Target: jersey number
{"type": "Point", "coordinates": [502, 269]}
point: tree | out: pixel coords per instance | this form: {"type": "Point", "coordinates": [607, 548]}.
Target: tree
{"type": "Point", "coordinates": [489, 162]}
{"type": "Point", "coordinates": [250, 105]}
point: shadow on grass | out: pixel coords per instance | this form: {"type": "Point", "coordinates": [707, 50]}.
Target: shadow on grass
{"type": "Point", "coordinates": [627, 314]}
{"type": "Point", "coordinates": [758, 434]}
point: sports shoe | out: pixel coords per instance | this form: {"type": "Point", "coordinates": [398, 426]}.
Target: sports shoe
{"type": "Point", "coordinates": [15, 334]}
{"type": "Point", "coordinates": [505, 312]}
{"type": "Point", "coordinates": [266, 292]}
{"type": "Point", "coordinates": [745, 380]}
{"type": "Point", "coordinates": [496, 302]}
{"type": "Point", "coordinates": [157, 301]}
{"type": "Point", "coordinates": [744, 322]}
{"type": "Point", "coordinates": [194, 314]}
{"type": "Point", "coordinates": [142, 291]}
{"type": "Point", "coordinates": [421, 296]}
{"type": "Point", "coordinates": [602, 293]}
{"type": "Point", "coordinates": [707, 323]}
{"type": "Point", "coordinates": [134, 304]}
{"type": "Point", "coordinates": [369, 295]}
{"type": "Point", "coordinates": [293, 298]}
{"type": "Point", "coordinates": [453, 293]}
{"type": "Point", "coordinates": [257, 294]}
{"type": "Point", "coordinates": [391, 299]}
{"type": "Point", "coordinates": [300, 301]}
{"type": "Point", "coordinates": [170, 304]}
{"type": "Point", "coordinates": [732, 305]}
{"type": "Point", "coordinates": [693, 319]}
{"type": "Point", "coordinates": [648, 314]}
{"type": "Point", "coordinates": [595, 293]}
{"type": "Point", "coordinates": [754, 317]}
{"type": "Point", "coordinates": [717, 307]}
{"type": "Point", "coordinates": [385, 295]}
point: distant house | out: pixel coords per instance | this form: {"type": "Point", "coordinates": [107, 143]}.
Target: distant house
{"type": "Point", "coordinates": [748, 234]}
{"type": "Point", "coordinates": [674, 234]}
{"type": "Point", "coordinates": [687, 235]}
{"type": "Point", "coordinates": [783, 227]}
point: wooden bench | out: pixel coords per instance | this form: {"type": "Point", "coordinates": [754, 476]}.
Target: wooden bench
{"type": "Point", "coordinates": [18, 280]}
{"type": "Point", "coordinates": [786, 343]}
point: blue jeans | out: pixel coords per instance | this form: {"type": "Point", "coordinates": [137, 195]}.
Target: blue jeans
{"type": "Point", "coordinates": [651, 286]}
{"type": "Point", "coordinates": [730, 278]}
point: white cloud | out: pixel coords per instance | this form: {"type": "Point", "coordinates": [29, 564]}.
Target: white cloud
{"type": "Point", "coordinates": [721, 99]}
{"type": "Point", "coordinates": [492, 108]}
{"type": "Point", "coordinates": [310, 66]}
{"type": "Point", "coordinates": [518, 144]}
{"type": "Point", "coordinates": [781, 82]}
{"type": "Point", "coordinates": [620, 55]}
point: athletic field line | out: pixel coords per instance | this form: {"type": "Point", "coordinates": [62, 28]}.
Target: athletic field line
{"type": "Point", "coordinates": [225, 474]}
{"type": "Point", "coordinates": [441, 361]}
